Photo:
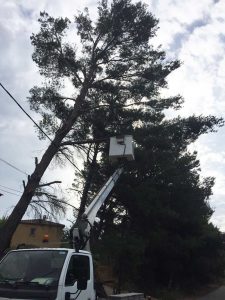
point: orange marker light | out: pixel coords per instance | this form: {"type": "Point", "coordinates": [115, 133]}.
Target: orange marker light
{"type": "Point", "coordinates": [45, 238]}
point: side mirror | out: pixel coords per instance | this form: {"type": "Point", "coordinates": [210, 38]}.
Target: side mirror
{"type": "Point", "coordinates": [67, 296]}
{"type": "Point", "coordinates": [81, 284]}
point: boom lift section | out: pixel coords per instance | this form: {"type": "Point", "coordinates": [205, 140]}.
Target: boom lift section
{"type": "Point", "coordinates": [121, 147]}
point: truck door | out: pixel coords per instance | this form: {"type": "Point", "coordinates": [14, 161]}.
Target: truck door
{"type": "Point", "coordinates": [79, 269]}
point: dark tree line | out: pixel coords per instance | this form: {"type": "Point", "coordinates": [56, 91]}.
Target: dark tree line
{"type": "Point", "coordinates": [156, 231]}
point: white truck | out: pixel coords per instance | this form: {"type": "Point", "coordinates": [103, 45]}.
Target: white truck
{"type": "Point", "coordinates": [60, 274]}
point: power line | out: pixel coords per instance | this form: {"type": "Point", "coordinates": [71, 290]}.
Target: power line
{"type": "Point", "coordinates": [10, 95]}
{"type": "Point", "coordinates": [24, 111]}
{"type": "Point", "coordinates": [12, 166]}
{"type": "Point", "coordinates": [8, 192]}
{"type": "Point", "coordinates": [9, 188]}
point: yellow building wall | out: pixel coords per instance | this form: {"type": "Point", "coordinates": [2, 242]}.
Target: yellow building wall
{"type": "Point", "coordinates": [33, 235]}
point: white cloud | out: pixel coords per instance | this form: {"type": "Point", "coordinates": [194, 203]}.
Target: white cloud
{"type": "Point", "coordinates": [177, 17]}
{"type": "Point", "coordinates": [194, 32]}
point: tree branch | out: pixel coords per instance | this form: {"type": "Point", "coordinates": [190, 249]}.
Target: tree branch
{"type": "Point", "coordinates": [66, 98]}
{"type": "Point", "coordinates": [88, 141]}
{"type": "Point", "coordinates": [49, 183]}
{"type": "Point", "coordinates": [101, 53]}
{"type": "Point", "coordinates": [78, 77]}
{"type": "Point", "coordinates": [37, 201]}
{"type": "Point", "coordinates": [119, 106]}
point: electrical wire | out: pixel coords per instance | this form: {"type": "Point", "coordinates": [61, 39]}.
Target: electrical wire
{"type": "Point", "coordinates": [9, 188]}
{"type": "Point", "coordinates": [37, 200]}
{"type": "Point", "coordinates": [10, 95]}
{"type": "Point", "coordinates": [12, 166]}
{"type": "Point", "coordinates": [8, 192]}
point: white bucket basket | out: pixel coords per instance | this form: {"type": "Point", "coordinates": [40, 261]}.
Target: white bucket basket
{"type": "Point", "coordinates": [121, 147]}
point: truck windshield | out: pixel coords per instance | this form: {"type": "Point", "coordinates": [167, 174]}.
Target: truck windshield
{"type": "Point", "coordinates": [37, 267]}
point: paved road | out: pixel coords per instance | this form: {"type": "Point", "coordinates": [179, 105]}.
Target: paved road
{"type": "Point", "coordinates": [218, 294]}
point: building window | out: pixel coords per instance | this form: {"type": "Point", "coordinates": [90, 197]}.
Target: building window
{"type": "Point", "coordinates": [32, 231]}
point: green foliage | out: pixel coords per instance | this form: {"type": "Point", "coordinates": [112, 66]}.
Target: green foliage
{"type": "Point", "coordinates": [116, 64]}
{"type": "Point", "coordinates": [2, 221]}
{"type": "Point", "coordinates": [167, 211]}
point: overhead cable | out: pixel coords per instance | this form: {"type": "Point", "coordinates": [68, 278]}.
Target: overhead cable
{"type": "Point", "coordinates": [24, 111]}
{"type": "Point", "coordinates": [12, 166]}
{"type": "Point", "coordinates": [8, 188]}
{"type": "Point", "coordinates": [9, 192]}
{"type": "Point", "coordinates": [10, 95]}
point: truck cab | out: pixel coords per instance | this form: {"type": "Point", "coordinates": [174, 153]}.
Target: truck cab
{"type": "Point", "coordinates": [54, 273]}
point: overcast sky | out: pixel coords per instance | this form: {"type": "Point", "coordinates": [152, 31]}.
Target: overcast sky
{"type": "Point", "coordinates": [192, 31]}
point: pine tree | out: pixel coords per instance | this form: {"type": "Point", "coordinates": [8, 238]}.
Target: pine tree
{"type": "Point", "coordinates": [116, 65]}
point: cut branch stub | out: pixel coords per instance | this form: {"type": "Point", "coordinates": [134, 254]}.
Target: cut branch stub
{"type": "Point", "coordinates": [49, 183]}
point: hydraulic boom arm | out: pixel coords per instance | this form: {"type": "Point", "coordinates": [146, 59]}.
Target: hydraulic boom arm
{"type": "Point", "coordinates": [121, 148]}
{"type": "Point", "coordinates": [81, 232]}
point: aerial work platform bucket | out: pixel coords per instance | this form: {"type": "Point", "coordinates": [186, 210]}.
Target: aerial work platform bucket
{"type": "Point", "coordinates": [121, 147]}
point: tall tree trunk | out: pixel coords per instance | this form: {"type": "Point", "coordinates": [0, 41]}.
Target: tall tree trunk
{"type": "Point", "coordinates": [88, 181]}
{"type": "Point", "coordinates": [6, 232]}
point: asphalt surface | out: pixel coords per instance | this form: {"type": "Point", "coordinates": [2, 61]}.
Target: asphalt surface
{"type": "Point", "coordinates": [218, 294]}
